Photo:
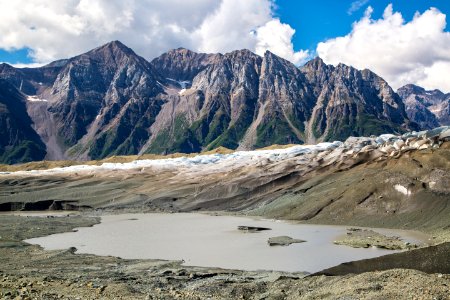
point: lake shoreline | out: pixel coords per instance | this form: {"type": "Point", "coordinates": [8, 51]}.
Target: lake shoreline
{"type": "Point", "coordinates": [207, 240]}
{"type": "Point", "coordinates": [53, 273]}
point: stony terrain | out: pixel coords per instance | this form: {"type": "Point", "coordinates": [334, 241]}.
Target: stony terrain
{"type": "Point", "coordinates": [28, 272]}
{"type": "Point", "coordinates": [365, 238]}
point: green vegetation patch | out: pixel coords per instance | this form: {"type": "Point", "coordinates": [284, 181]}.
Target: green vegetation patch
{"type": "Point", "coordinates": [275, 131]}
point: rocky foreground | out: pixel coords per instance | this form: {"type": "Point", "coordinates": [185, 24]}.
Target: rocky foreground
{"type": "Point", "coordinates": [387, 181]}
{"type": "Point", "coordinates": [28, 272]}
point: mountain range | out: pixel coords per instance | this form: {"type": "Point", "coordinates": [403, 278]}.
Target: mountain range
{"type": "Point", "coordinates": [110, 101]}
{"type": "Point", "coordinates": [429, 109]}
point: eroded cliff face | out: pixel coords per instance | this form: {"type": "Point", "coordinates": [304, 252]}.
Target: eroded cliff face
{"type": "Point", "coordinates": [429, 109]}
{"type": "Point", "coordinates": [109, 101]}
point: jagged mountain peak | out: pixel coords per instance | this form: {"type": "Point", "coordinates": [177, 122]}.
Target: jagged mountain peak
{"type": "Point", "coordinates": [317, 71]}
{"type": "Point", "coordinates": [241, 52]}
{"type": "Point", "coordinates": [57, 63]}
{"type": "Point", "coordinates": [183, 64]}
{"type": "Point", "coordinates": [5, 65]}
{"type": "Point", "coordinates": [348, 72]}
{"type": "Point", "coordinates": [418, 90]}
{"type": "Point", "coordinates": [270, 56]}
{"type": "Point", "coordinates": [113, 52]}
{"type": "Point", "coordinates": [115, 46]}
{"type": "Point", "coordinates": [94, 90]}
{"type": "Point", "coordinates": [182, 51]}
{"type": "Point", "coordinates": [410, 88]}
{"type": "Point", "coordinates": [315, 63]}
{"type": "Point", "coordinates": [273, 63]}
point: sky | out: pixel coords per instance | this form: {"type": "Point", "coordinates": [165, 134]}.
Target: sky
{"type": "Point", "coordinates": [404, 41]}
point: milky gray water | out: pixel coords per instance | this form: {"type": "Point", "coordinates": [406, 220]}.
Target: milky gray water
{"type": "Point", "coordinates": [212, 241]}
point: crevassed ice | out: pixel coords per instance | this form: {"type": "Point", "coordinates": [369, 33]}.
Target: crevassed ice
{"type": "Point", "coordinates": [238, 158]}
{"type": "Point", "coordinates": [209, 159]}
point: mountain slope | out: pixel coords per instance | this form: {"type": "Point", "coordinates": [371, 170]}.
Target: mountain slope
{"type": "Point", "coordinates": [217, 108]}
{"type": "Point", "coordinates": [240, 100]}
{"type": "Point", "coordinates": [101, 102]}
{"type": "Point", "coordinates": [18, 141]}
{"type": "Point", "coordinates": [104, 99]}
{"type": "Point", "coordinates": [351, 103]}
{"type": "Point", "coordinates": [427, 108]}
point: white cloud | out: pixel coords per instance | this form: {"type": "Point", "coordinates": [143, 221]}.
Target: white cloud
{"type": "Point", "coordinates": [60, 29]}
{"type": "Point", "coordinates": [401, 52]}
{"type": "Point", "coordinates": [30, 65]}
{"type": "Point", "coordinates": [228, 28]}
{"type": "Point", "coordinates": [356, 5]}
{"type": "Point", "coordinates": [277, 37]}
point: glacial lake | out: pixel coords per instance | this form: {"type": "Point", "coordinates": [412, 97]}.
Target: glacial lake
{"type": "Point", "coordinates": [214, 241]}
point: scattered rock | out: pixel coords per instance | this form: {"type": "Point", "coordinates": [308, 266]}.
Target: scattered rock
{"type": "Point", "coordinates": [365, 238]}
{"type": "Point", "coordinates": [252, 228]}
{"type": "Point", "coordinates": [283, 241]}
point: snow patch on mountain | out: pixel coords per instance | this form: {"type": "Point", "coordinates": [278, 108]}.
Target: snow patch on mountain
{"type": "Point", "coordinates": [183, 83]}
{"type": "Point", "coordinates": [36, 99]}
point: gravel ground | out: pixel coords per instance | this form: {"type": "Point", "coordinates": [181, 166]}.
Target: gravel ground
{"type": "Point", "coordinates": [29, 272]}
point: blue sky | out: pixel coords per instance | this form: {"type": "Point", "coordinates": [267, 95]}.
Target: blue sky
{"type": "Point", "coordinates": [404, 41]}
{"type": "Point", "coordinates": [318, 20]}
{"type": "Point", "coordinates": [15, 56]}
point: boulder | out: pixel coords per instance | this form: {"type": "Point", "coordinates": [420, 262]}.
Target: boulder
{"type": "Point", "coordinates": [283, 241]}
{"type": "Point", "coordinates": [252, 228]}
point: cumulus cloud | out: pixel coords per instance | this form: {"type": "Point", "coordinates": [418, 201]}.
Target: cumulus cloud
{"type": "Point", "coordinates": [401, 52]}
{"type": "Point", "coordinates": [277, 37]}
{"type": "Point", "coordinates": [60, 29]}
